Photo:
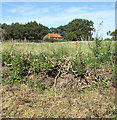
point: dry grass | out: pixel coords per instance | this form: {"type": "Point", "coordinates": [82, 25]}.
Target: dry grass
{"type": "Point", "coordinates": [22, 102]}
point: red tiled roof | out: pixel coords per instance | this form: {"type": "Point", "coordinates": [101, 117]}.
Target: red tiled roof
{"type": "Point", "coordinates": [52, 35]}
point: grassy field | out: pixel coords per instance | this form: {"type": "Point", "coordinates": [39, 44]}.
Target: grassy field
{"type": "Point", "coordinates": [64, 48]}
{"type": "Point", "coordinates": [58, 80]}
{"type": "Point", "coordinates": [70, 47]}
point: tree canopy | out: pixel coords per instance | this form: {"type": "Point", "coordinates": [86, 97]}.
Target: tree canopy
{"type": "Point", "coordinates": [30, 31]}
{"type": "Point", "coordinates": [77, 29]}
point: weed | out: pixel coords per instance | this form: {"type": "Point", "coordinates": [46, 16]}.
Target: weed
{"type": "Point", "coordinates": [55, 63]}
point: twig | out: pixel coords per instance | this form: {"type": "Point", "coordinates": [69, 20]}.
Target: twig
{"type": "Point", "coordinates": [55, 80]}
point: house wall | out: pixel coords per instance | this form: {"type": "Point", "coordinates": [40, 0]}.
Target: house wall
{"type": "Point", "coordinates": [60, 38]}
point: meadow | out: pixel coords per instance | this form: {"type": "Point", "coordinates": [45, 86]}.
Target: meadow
{"type": "Point", "coordinates": [59, 80]}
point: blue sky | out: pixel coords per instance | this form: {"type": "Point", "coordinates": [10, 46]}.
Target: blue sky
{"type": "Point", "coordinates": [54, 14]}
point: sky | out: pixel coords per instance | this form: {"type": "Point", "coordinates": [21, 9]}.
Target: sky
{"type": "Point", "coordinates": [54, 14]}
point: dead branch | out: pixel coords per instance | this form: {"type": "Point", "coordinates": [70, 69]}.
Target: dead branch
{"type": "Point", "coordinates": [55, 80]}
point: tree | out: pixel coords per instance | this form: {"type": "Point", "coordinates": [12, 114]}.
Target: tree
{"type": "Point", "coordinates": [114, 35]}
{"type": "Point", "coordinates": [30, 31]}
{"type": "Point", "coordinates": [77, 29]}
{"type": "Point", "coordinates": [70, 36]}
{"type": "Point", "coordinates": [109, 32]}
{"type": "Point", "coordinates": [81, 28]}
{"type": "Point", "coordinates": [53, 30]}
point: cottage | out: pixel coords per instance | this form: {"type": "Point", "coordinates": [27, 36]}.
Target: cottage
{"type": "Point", "coordinates": [53, 35]}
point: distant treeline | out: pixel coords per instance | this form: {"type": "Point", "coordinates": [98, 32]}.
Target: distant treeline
{"type": "Point", "coordinates": [76, 30]}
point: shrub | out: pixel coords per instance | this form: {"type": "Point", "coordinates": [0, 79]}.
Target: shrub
{"type": "Point", "coordinates": [51, 40]}
{"type": "Point", "coordinates": [55, 40]}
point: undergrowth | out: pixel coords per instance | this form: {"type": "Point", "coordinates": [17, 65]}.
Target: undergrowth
{"type": "Point", "coordinates": [18, 66]}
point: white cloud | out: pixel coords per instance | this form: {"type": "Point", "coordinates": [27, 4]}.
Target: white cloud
{"type": "Point", "coordinates": [76, 9]}
{"type": "Point", "coordinates": [22, 10]}
{"type": "Point", "coordinates": [31, 10]}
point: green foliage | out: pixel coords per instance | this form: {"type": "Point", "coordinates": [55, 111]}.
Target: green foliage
{"type": "Point", "coordinates": [6, 58]}
{"type": "Point", "coordinates": [96, 48]}
{"type": "Point", "coordinates": [71, 36]}
{"type": "Point", "coordinates": [107, 39]}
{"type": "Point", "coordinates": [102, 52]}
{"type": "Point", "coordinates": [30, 31]}
{"type": "Point", "coordinates": [55, 40]}
{"type": "Point", "coordinates": [40, 86]}
{"type": "Point", "coordinates": [114, 35]}
{"type": "Point", "coordinates": [78, 65]}
{"type": "Point", "coordinates": [60, 52]}
{"type": "Point", "coordinates": [77, 29]}
{"type": "Point", "coordinates": [21, 65]}
{"type": "Point", "coordinates": [51, 40]}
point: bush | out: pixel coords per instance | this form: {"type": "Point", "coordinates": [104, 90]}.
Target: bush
{"type": "Point", "coordinates": [51, 40]}
{"type": "Point", "coordinates": [108, 39]}
{"type": "Point", "coordinates": [55, 40]}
